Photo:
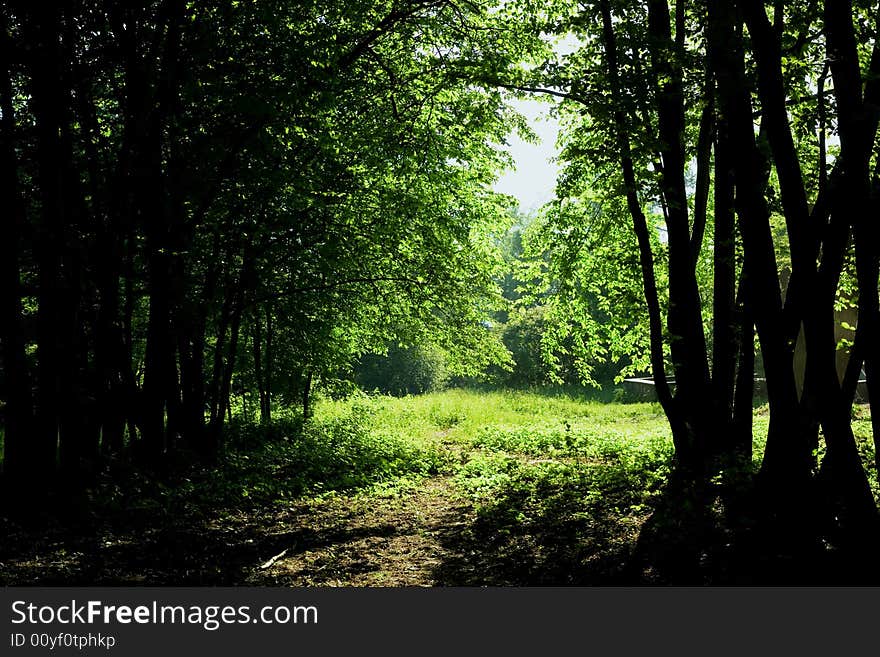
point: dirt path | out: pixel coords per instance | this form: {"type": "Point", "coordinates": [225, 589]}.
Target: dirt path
{"type": "Point", "coordinates": [425, 534]}
{"type": "Point", "coordinates": [341, 540]}
{"type": "Point", "coordinates": [356, 541]}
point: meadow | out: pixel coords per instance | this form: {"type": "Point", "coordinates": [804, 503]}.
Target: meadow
{"type": "Point", "coordinates": [461, 487]}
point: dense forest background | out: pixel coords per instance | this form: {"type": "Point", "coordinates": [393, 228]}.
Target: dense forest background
{"type": "Point", "coordinates": [216, 214]}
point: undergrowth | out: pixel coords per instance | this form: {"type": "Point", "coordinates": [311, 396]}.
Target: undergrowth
{"type": "Point", "coordinates": [503, 449]}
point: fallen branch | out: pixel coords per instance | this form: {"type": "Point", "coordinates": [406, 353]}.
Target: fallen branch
{"type": "Point", "coordinates": [273, 559]}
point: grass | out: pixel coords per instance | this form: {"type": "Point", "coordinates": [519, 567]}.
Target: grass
{"type": "Point", "coordinates": [548, 482]}
{"type": "Point", "coordinates": [461, 487]}
{"type": "Point", "coordinates": [557, 485]}
{"type": "Point", "coordinates": [377, 443]}
{"type": "Point", "coordinates": [482, 437]}
{"type": "Point", "coordinates": [462, 415]}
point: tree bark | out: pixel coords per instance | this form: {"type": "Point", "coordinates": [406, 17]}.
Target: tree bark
{"type": "Point", "coordinates": [684, 320]}
{"type": "Point", "coordinates": [786, 467]}
{"type": "Point", "coordinates": [257, 351]}
{"type": "Point", "coordinates": [19, 459]}
{"type": "Point", "coordinates": [56, 319]}
{"type": "Point", "coordinates": [270, 362]}
{"type": "Point", "coordinates": [307, 394]}
{"type": "Point", "coordinates": [843, 461]}
{"type": "Point", "coordinates": [643, 235]}
{"type": "Point", "coordinates": [724, 328]}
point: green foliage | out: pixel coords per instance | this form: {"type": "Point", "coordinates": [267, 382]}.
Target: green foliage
{"type": "Point", "coordinates": [582, 259]}
{"type": "Point", "coordinates": [288, 459]}
{"type": "Point", "coordinates": [364, 441]}
{"type": "Point", "coordinates": [403, 370]}
{"type": "Point", "coordinates": [256, 194]}
{"type": "Point", "coordinates": [581, 441]}
{"type": "Point", "coordinates": [522, 336]}
{"type": "Point", "coordinates": [350, 451]}
{"type": "Point", "coordinates": [525, 492]}
{"type": "Point", "coordinates": [388, 155]}
{"type": "Point", "coordinates": [550, 500]}
{"type": "Point", "coordinates": [575, 315]}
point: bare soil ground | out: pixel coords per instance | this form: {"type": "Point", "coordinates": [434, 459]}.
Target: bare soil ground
{"type": "Point", "coordinates": [354, 541]}
{"type": "Point", "coordinates": [427, 535]}
{"type": "Point", "coordinates": [339, 540]}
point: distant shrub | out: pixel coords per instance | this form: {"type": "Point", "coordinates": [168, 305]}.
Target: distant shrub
{"type": "Point", "coordinates": [403, 371]}
{"type": "Point", "coordinates": [350, 450]}
{"type": "Point", "coordinates": [289, 458]}
{"type": "Point", "coordinates": [522, 337]}
{"type": "Point", "coordinates": [527, 440]}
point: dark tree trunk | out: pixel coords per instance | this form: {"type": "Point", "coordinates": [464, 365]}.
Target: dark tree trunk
{"type": "Point", "coordinates": [307, 394]}
{"type": "Point", "coordinates": [106, 260]}
{"type": "Point", "coordinates": [724, 343]}
{"type": "Point", "coordinates": [79, 438]}
{"type": "Point", "coordinates": [191, 336]}
{"type": "Point", "coordinates": [744, 394]}
{"type": "Point", "coordinates": [704, 163]}
{"type": "Point", "coordinates": [257, 346]}
{"type": "Point", "coordinates": [643, 235]}
{"type": "Point", "coordinates": [263, 361]}
{"type": "Point", "coordinates": [270, 363]}
{"type": "Point", "coordinates": [160, 376]}
{"type": "Point", "coordinates": [843, 462]}
{"type": "Point", "coordinates": [197, 397]}
{"type": "Point", "coordinates": [812, 297]}
{"type": "Point", "coordinates": [155, 200]}
{"type": "Point", "coordinates": [229, 367]}
{"type": "Point", "coordinates": [19, 461]}
{"type": "Point", "coordinates": [786, 467]}
{"type": "Point", "coordinates": [217, 369]}
{"type": "Point", "coordinates": [130, 391]}
{"type": "Point", "coordinates": [55, 325]}
{"type": "Point", "coordinates": [225, 358]}
{"type": "Point", "coordinates": [685, 324]}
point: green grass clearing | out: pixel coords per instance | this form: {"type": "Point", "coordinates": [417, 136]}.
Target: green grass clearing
{"type": "Point", "coordinates": [461, 487]}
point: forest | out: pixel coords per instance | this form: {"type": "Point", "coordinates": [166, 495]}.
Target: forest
{"type": "Point", "coordinates": [265, 319]}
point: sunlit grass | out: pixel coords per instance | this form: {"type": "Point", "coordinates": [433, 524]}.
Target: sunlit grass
{"type": "Point", "coordinates": [466, 415]}
{"type": "Point", "coordinates": [523, 449]}
{"type": "Point", "coordinates": [491, 444]}
{"type": "Point", "coordinates": [508, 425]}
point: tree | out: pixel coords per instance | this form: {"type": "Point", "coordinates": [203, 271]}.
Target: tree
{"type": "Point", "coordinates": [211, 195]}
{"type": "Point", "coordinates": [686, 113]}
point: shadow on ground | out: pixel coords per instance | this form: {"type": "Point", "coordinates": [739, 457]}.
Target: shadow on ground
{"type": "Point", "coordinates": [550, 526]}
{"type": "Point", "coordinates": [556, 526]}
{"type": "Point", "coordinates": [183, 553]}
{"type": "Point", "coordinates": [573, 536]}
{"type": "Point", "coordinates": [696, 537]}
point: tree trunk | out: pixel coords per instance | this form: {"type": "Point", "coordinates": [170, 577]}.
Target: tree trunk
{"type": "Point", "coordinates": [229, 368]}
{"type": "Point", "coordinates": [257, 347]}
{"type": "Point", "coordinates": [704, 163]}
{"type": "Point", "coordinates": [19, 461]}
{"type": "Point", "coordinates": [786, 467]}
{"type": "Point", "coordinates": [158, 207]}
{"type": "Point", "coordinates": [55, 326]}
{"type": "Point", "coordinates": [307, 394]}
{"type": "Point", "coordinates": [225, 358]}
{"type": "Point", "coordinates": [270, 363]}
{"type": "Point", "coordinates": [685, 323]}
{"type": "Point", "coordinates": [724, 343]}
{"type": "Point", "coordinates": [643, 235]}
{"type": "Point", "coordinates": [843, 462]}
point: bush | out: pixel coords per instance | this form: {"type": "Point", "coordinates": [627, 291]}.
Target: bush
{"type": "Point", "coordinates": [289, 458]}
{"type": "Point", "coordinates": [350, 451]}
{"type": "Point", "coordinates": [403, 371]}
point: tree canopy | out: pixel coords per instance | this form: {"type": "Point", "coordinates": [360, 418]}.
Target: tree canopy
{"type": "Point", "coordinates": [206, 199]}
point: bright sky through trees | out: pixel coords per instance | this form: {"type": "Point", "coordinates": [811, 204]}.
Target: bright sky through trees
{"type": "Point", "coordinates": [533, 179]}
